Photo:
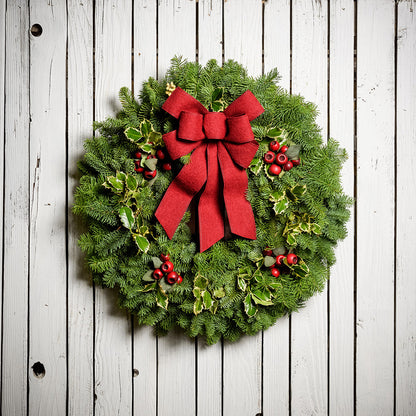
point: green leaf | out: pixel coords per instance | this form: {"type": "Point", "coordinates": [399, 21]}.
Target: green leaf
{"type": "Point", "coordinates": [281, 206]}
{"type": "Point", "coordinates": [146, 147]}
{"type": "Point", "coordinates": [206, 296]}
{"type": "Point", "coordinates": [131, 182]}
{"type": "Point", "coordinates": [269, 261]}
{"type": "Point", "coordinates": [198, 306]}
{"type": "Point", "coordinates": [316, 228]}
{"type": "Point", "coordinates": [217, 106]}
{"type": "Point", "coordinates": [142, 242]}
{"type": "Point", "coordinates": [291, 240]}
{"type": "Point", "coordinates": [274, 132]}
{"type": "Point", "coordinates": [156, 262]}
{"type": "Point", "coordinates": [133, 134]}
{"type": "Point", "coordinates": [165, 285]}
{"type": "Point", "coordinates": [217, 94]}
{"type": "Point", "coordinates": [279, 250]}
{"type": "Point", "coordinates": [126, 217]}
{"type": "Point", "coordinates": [250, 309]}
{"type": "Point", "coordinates": [255, 165]}
{"type": "Point", "coordinates": [242, 284]}
{"type": "Point", "coordinates": [219, 293]}
{"type": "Point", "coordinates": [150, 163]}
{"type": "Point", "coordinates": [293, 151]}
{"type": "Point", "coordinates": [148, 276]}
{"type": "Point", "coordinates": [262, 297]}
{"type": "Point", "coordinates": [162, 298]}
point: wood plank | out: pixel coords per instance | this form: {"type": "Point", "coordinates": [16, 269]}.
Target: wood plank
{"type": "Point", "coordinates": [209, 31]}
{"type": "Point", "coordinates": [48, 273]}
{"type": "Point", "coordinates": [176, 353]}
{"type": "Point", "coordinates": [276, 341]}
{"type": "Point", "coordinates": [341, 285]}
{"type": "Point", "coordinates": [375, 207]}
{"type": "Point", "coordinates": [16, 210]}
{"type": "Point", "coordinates": [144, 339]}
{"type": "Point", "coordinates": [113, 343]}
{"type": "Point", "coordinates": [177, 31]}
{"type": "Point", "coordinates": [406, 220]}
{"type": "Point", "coordinates": [80, 289]}
{"type": "Point", "coordinates": [309, 327]}
{"type": "Point", "coordinates": [209, 358]}
{"type": "Point", "coordinates": [242, 367]}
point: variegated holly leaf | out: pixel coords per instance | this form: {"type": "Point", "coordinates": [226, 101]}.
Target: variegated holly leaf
{"type": "Point", "coordinates": [255, 165]}
{"type": "Point", "coordinates": [316, 229]}
{"type": "Point", "coordinates": [115, 184]}
{"type": "Point", "coordinates": [281, 206]}
{"type": "Point", "coordinates": [249, 308]}
{"type": "Point", "coordinates": [219, 293]}
{"type": "Point", "coordinates": [133, 134]}
{"type": "Point", "coordinates": [274, 132]}
{"type": "Point", "coordinates": [242, 284]}
{"type": "Point", "coordinates": [131, 182]}
{"type": "Point", "coordinates": [141, 242]}
{"type": "Point", "coordinates": [262, 297]}
{"type": "Point", "coordinates": [207, 298]}
{"type": "Point", "coordinates": [198, 306]}
{"type": "Point", "coordinates": [162, 298]}
{"type": "Point", "coordinates": [126, 217]}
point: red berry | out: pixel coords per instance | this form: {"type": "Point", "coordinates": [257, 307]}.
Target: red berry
{"type": "Point", "coordinates": [164, 257]}
{"type": "Point", "coordinates": [269, 157]}
{"type": "Point", "coordinates": [157, 274]}
{"type": "Point", "coordinates": [296, 162]}
{"type": "Point", "coordinates": [160, 154]}
{"type": "Point", "coordinates": [151, 157]}
{"type": "Point", "coordinates": [288, 165]}
{"type": "Point", "coordinates": [292, 258]}
{"type": "Point", "coordinates": [283, 149]}
{"type": "Point", "coordinates": [274, 146]}
{"type": "Point", "coordinates": [167, 166]}
{"type": "Point", "coordinates": [179, 280]}
{"type": "Point", "coordinates": [275, 272]}
{"type": "Point", "coordinates": [138, 155]}
{"type": "Point", "coordinates": [279, 259]}
{"type": "Point", "coordinates": [274, 169]}
{"type": "Point", "coordinates": [167, 267]}
{"type": "Point", "coordinates": [281, 158]}
{"type": "Point", "coordinates": [138, 168]}
{"type": "Point", "coordinates": [172, 277]}
{"type": "Point", "coordinates": [267, 252]}
{"type": "Point", "coordinates": [150, 174]}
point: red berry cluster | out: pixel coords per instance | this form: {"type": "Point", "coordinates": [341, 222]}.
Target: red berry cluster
{"type": "Point", "coordinates": [166, 269]}
{"type": "Point", "coordinates": [277, 159]}
{"type": "Point", "coordinates": [147, 173]}
{"type": "Point", "coordinates": [291, 258]}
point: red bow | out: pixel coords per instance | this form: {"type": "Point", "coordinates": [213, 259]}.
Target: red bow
{"type": "Point", "coordinates": [219, 141]}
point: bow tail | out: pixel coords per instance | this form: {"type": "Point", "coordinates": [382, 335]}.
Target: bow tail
{"type": "Point", "coordinates": [240, 213]}
{"type": "Point", "coordinates": [184, 187]}
{"type": "Point", "coordinates": [211, 223]}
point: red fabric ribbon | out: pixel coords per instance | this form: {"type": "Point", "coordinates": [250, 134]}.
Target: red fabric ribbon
{"type": "Point", "coordinates": [221, 142]}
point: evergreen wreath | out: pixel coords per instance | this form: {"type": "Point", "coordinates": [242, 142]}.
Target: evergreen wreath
{"type": "Point", "coordinates": [238, 285]}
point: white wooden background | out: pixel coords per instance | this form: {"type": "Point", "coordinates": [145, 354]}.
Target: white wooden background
{"type": "Point", "coordinates": [351, 351]}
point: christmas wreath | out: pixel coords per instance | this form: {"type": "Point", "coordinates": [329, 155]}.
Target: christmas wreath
{"type": "Point", "coordinates": [212, 203]}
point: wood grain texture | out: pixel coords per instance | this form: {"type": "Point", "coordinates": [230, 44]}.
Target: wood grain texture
{"type": "Point", "coordinates": [144, 339]}
{"type": "Point", "coordinates": [375, 207]}
{"type": "Point", "coordinates": [309, 381]}
{"type": "Point", "coordinates": [80, 289]}
{"type": "Point", "coordinates": [176, 353]}
{"type": "Point", "coordinates": [276, 342]}
{"type": "Point", "coordinates": [209, 30]}
{"type": "Point", "coordinates": [406, 219]}
{"type": "Point", "coordinates": [242, 365]}
{"type": "Point", "coordinates": [145, 34]}
{"type": "Point", "coordinates": [16, 211]}
{"type": "Point", "coordinates": [47, 291]}
{"type": "Point", "coordinates": [209, 358]}
{"type": "Point", "coordinates": [177, 31]}
{"type": "Point", "coordinates": [113, 342]}
{"type": "Point", "coordinates": [341, 284]}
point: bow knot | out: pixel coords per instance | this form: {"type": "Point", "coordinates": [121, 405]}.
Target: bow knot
{"type": "Point", "coordinates": [222, 143]}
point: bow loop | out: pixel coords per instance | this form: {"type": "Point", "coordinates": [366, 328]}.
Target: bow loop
{"type": "Point", "coordinates": [223, 144]}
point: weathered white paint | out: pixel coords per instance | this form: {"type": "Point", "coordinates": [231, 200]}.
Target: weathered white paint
{"type": "Point", "coordinates": [113, 342]}
{"type": "Point", "coordinates": [375, 207]}
{"type": "Point", "coordinates": [341, 284]}
{"type": "Point", "coordinates": [16, 211]}
{"type": "Point", "coordinates": [242, 361]}
{"type": "Point", "coordinates": [406, 220]}
{"type": "Point", "coordinates": [47, 170]}
{"type": "Point", "coordinates": [80, 289]}
{"type": "Point", "coordinates": [276, 341]}
{"type": "Point", "coordinates": [309, 328]}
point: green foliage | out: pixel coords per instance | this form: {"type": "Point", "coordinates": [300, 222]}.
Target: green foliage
{"type": "Point", "coordinates": [227, 290]}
